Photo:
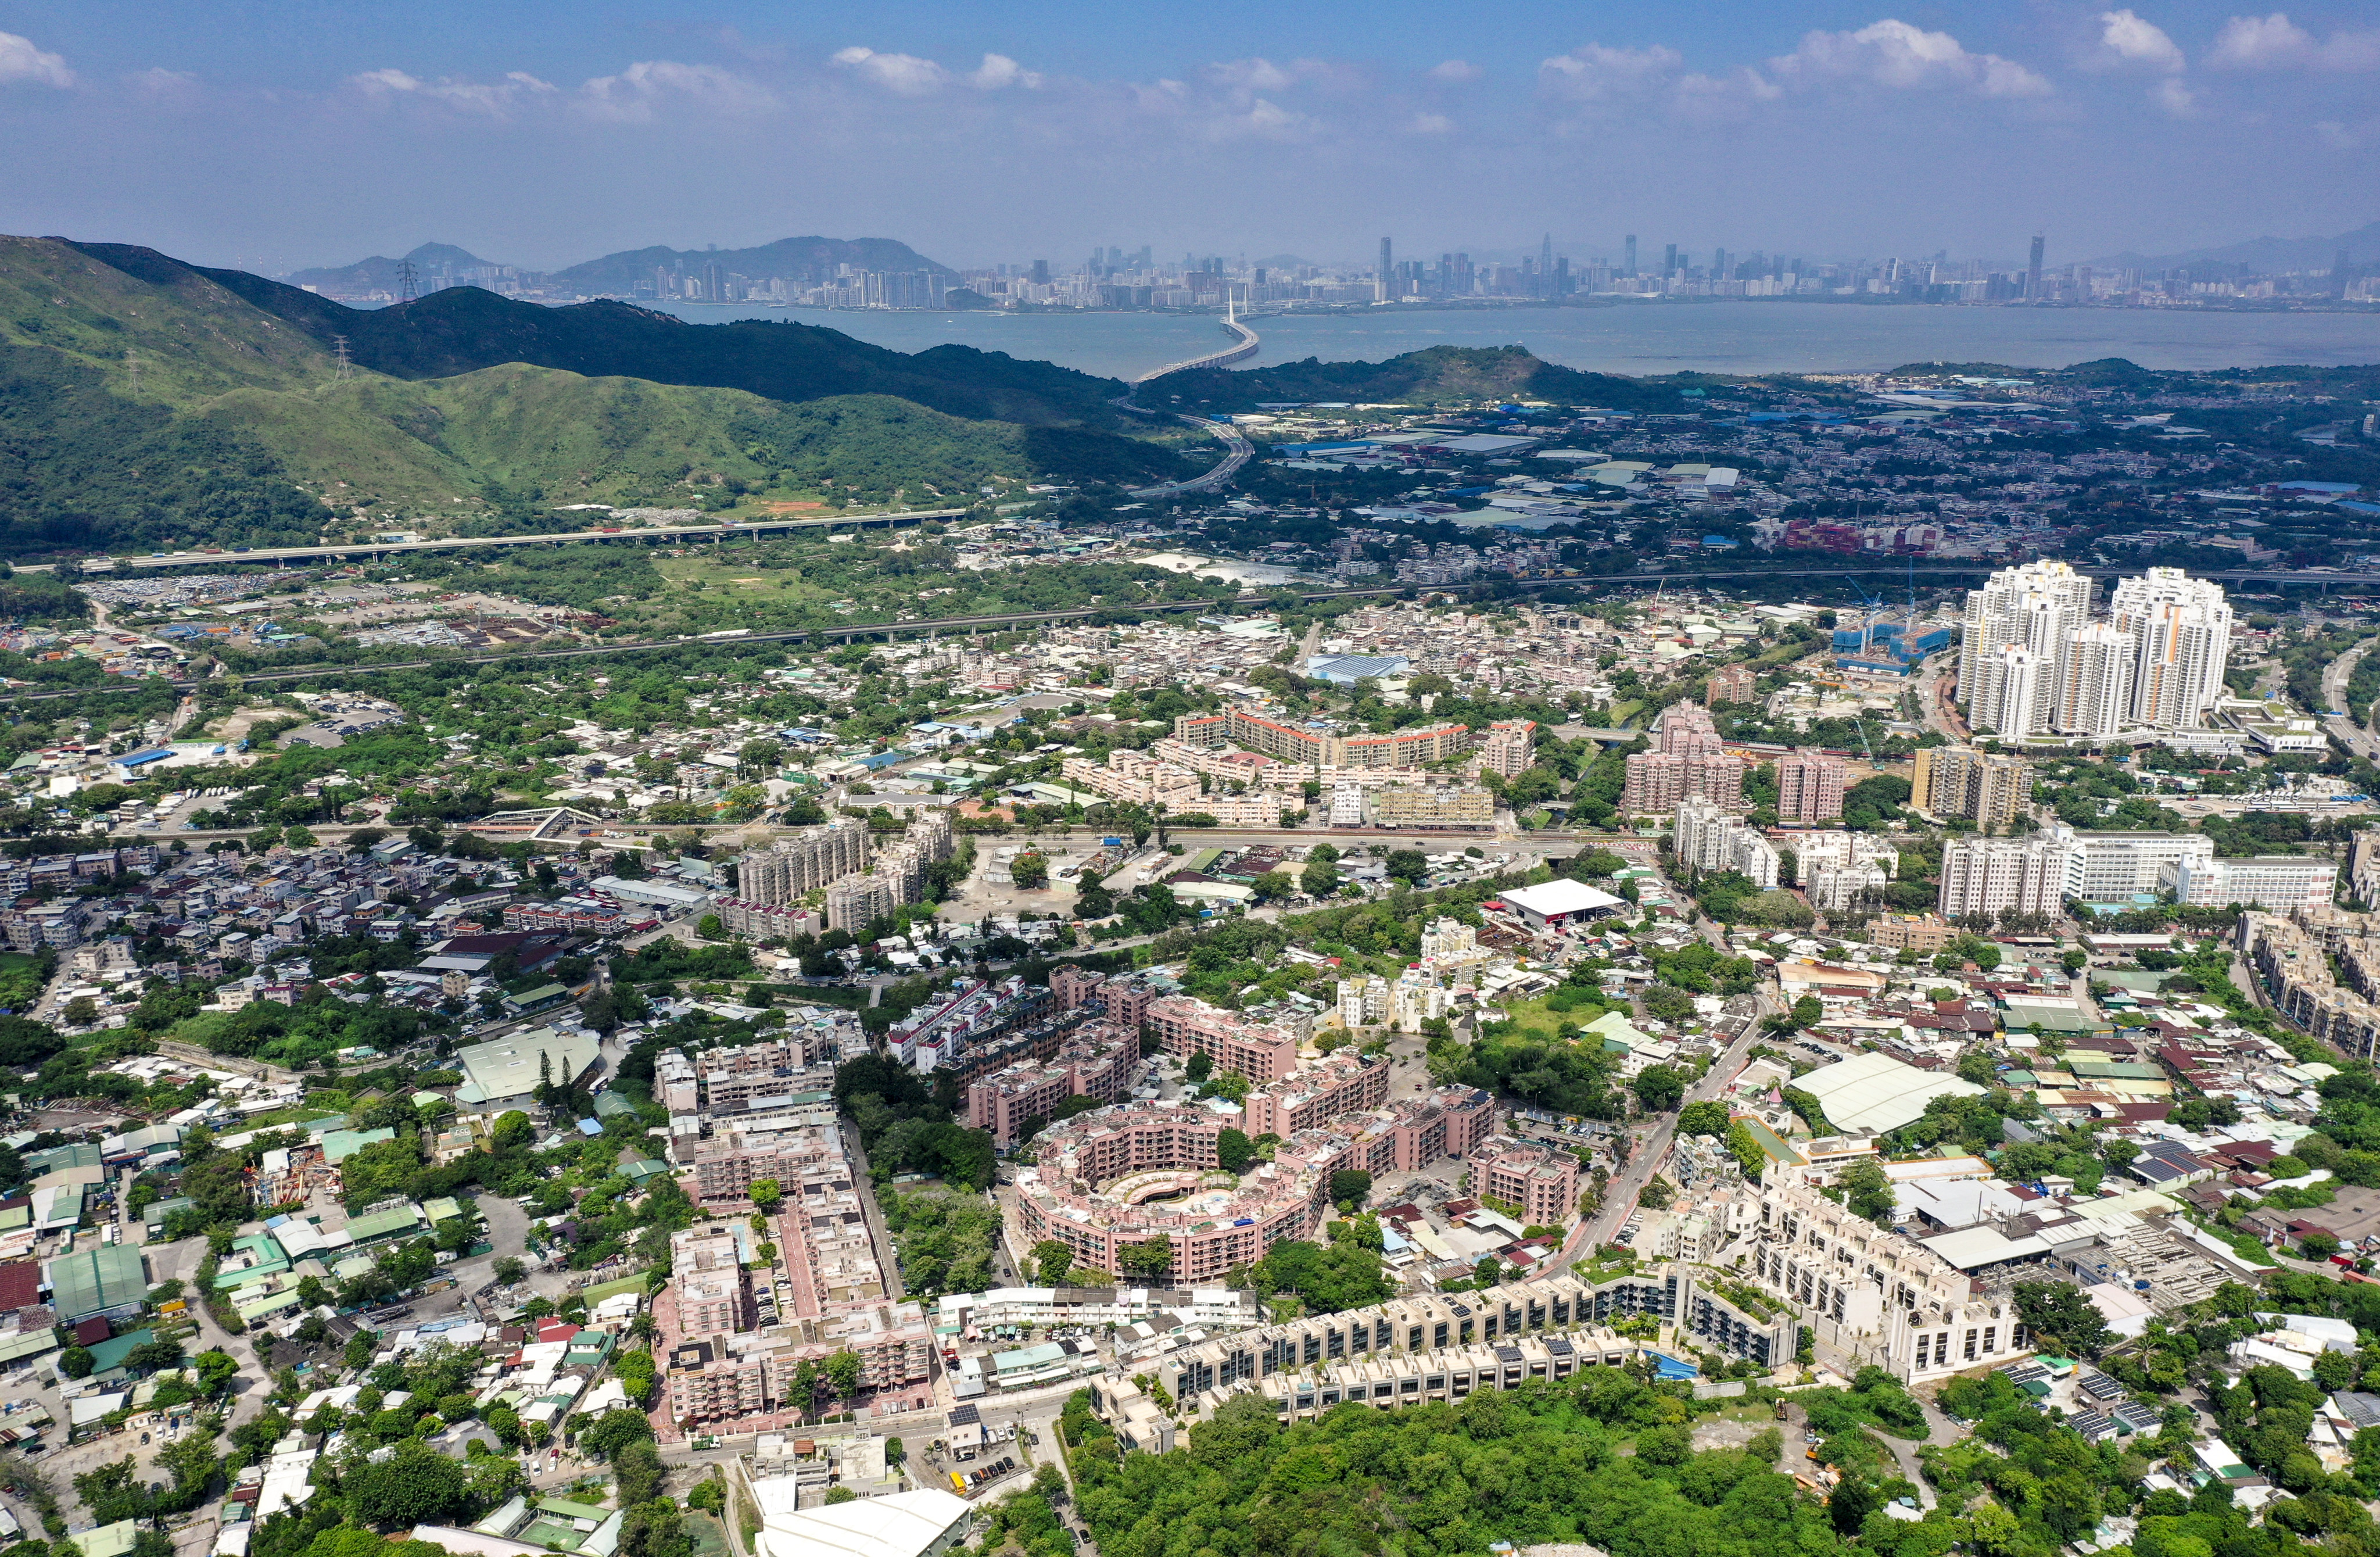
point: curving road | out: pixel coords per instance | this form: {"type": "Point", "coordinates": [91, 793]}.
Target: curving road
{"type": "Point", "coordinates": [1237, 451]}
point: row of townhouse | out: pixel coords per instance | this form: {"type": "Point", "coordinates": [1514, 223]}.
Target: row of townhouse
{"type": "Point", "coordinates": [1440, 1347]}
{"type": "Point", "coordinates": [1879, 1296]}
{"type": "Point", "coordinates": [1309, 747]}
{"type": "Point", "coordinates": [2328, 998]}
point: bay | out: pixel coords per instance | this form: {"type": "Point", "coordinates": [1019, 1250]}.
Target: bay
{"type": "Point", "coordinates": [1716, 337]}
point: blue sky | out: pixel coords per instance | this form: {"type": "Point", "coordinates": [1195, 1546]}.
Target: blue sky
{"type": "Point", "coordinates": [276, 134]}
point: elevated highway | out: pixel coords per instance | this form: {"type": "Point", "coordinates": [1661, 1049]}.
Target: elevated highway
{"type": "Point", "coordinates": [378, 551]}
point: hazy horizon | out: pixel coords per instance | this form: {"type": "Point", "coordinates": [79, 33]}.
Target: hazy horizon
{"type": "Point", "coordinates": [277, 136]}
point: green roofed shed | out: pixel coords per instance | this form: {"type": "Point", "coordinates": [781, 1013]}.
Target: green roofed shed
{"type": "Point", "coordinates": [109, 1540]}
{"type": "Point", "coordinates": [110, 1354]}
{"type": "Point", "coordinates": [96, 1281]}
{"type": "Point", "coordinates": [340, 1145]}
{"type": "Point", "coordinates": [394, 1222]}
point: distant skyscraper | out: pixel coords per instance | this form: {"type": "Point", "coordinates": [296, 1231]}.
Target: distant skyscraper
{"type": "Point", "coordinates": [1380, 287]}
{"type": "Point", "coordinates": [1040, 272]}
{"type": "Point", "coordinates": [1628, 265]}
{"type": "Point", "coordinates": [1669, 261]}
{"type": "Point", "coordinates": [2032, 269]}
{"type": "Point", "coordinates": [1546, 256]}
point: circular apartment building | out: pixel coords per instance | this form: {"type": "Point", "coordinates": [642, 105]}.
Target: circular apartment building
{"type": "Point", "coordinates": [1130, 1174]}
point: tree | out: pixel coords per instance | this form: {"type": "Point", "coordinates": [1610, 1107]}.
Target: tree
{"type": "Point", "coordinates": [1051, 1262]}
{"type": "Point", "coordinates": [509, 1271]}
{"type": "Point", "coordinates": [767, 1195]}
{"type": "Point", "coordinates": [415, 1485]}
{"type": "Point", "coordinates": [710, 927]}
{"type": "Point", "coordinates": [1708, 1118]}
{"type": "Point", "coordinates": [1200, 1066]}
{"type": "Point", "coordinates": [1233, 1150]}
{"type": "Point", "coordinates": [615, 1431]}
{"type": "Point", "coordinates": [1030, 870]}
{"type": "Point", "coordinates": [637, 1470]}
{"type": "Point", "coordinates": [1408, 866]}
{"type": "Point", "coordinates": [1867, 1191]}
{"type": "Point", "coordinates": [843, 1372]}
{"type": "Point", "coordinates": [2057, 1312]}
{"type": "Point", "coordinates": [1350, 1186]}
{"type": "Point", "coordinates": [1148, 1259]}
{"type": "Point", "coordinates": [76, 1362]}
{"type": "Point", "coordinates": [1745, 1148]}
{"type": "Point", "coordinates": [1659, 1089]}
{"type": "Point", "coordinates": [1319, 879]}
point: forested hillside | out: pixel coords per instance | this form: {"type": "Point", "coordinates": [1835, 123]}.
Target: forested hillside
{"type": "Point", "coordinates": [1440, 372]}
{"type": "Point", "coordinates": [146, 403]}
{"type": "Point", "coordinates": [462, 329]}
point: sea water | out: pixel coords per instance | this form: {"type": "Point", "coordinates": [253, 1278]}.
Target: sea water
{"type": "Point", "coordinates": [1649, 337]}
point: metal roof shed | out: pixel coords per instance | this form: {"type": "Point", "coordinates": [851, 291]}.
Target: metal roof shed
{"type": "Point", "coordinates": [97, 1280]}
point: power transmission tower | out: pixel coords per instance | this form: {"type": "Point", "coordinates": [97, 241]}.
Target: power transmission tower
{"type": "Point", "coordinates": [132, 366]}
{"type": "Point", "coordinates": [408, 286]}
{"type": "Point", "coordinates": [346, 364]}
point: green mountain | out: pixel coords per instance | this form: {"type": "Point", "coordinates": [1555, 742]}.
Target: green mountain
{"type": "Point", "coordinates": [462, 329]}
{"type": "Point", "coordinates": [148, 404]}
{"type": "Point", "coordinates": [1438, 374]}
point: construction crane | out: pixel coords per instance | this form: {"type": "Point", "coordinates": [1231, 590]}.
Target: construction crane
{"type": "Point", "coordinates": [1871, 605]}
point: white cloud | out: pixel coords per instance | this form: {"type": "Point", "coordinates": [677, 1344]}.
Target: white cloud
{"type": "Point", "coordinates": [1250, 75]}
{"type": "Point", "coordinates": [22, 65]}
{"type": "Point", "coordinates": [1709, 97]}
{"type": "Point", "coordinates": [2275, 42]}
{"type": "Point", "coordinates": [906, 74]}
{"type": "Point", "coordinates": [998, 70]}
{"type": "Point", "coordinates": [2127, 38]}
{"type": "Point", "coordinates": [492, 98]}
{"type": "Point", "coordinates": [1593, 73]}
{"type": "Point", "coordinates": [636, 94]}
{"type": "Point", "coordinates": [1431, 124]}
{"type": "Point", "coordinates": [1455, 70]}
{"type": "Point", "coordinates": [1893, 54]}
{"type": "Point", "coordinates": [161, 82]}
{"type": "Point", "coordinates": [2174, 98]}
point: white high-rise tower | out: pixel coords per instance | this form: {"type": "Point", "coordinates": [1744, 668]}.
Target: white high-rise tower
{"type": "Point", "coordinates": [2036, 606]}
{"type": "Point", "coordinates": [2012, 687]}
{"type": "Point", "coordinates": [2180, 629]}
{"type": "Point", "coordinates": [2095, 692]}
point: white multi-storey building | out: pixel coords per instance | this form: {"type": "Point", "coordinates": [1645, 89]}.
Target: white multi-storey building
{"type": "Point", "coordinates": [2095, 689]}
{"type": "Point", "coordinates": [2036, 607]}
{"type": "Point", "coordinates": [1990, 876]}
{"type": "Point", "coordinates": [2180, 629]}
{"type": "Point", "coordinates": [2011, 695]}
{"type": "Point", "coordinates": [1711, 839]}
{"type": "Point", "coordinates": [2112, 867]}
{"type": "Point", "coordinates": [2276, 881]}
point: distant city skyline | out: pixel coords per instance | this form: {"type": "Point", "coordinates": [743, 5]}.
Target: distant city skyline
{"type": "Point", "coordinates": [274, 136]}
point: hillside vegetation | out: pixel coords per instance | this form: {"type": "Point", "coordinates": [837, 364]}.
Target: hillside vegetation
{"type": "Point", "coordinates": [1439, 373]}
{"type": "Point", "coordinates": [146, 403]}
{"type": "Point", "coordinates": [463, 329]}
